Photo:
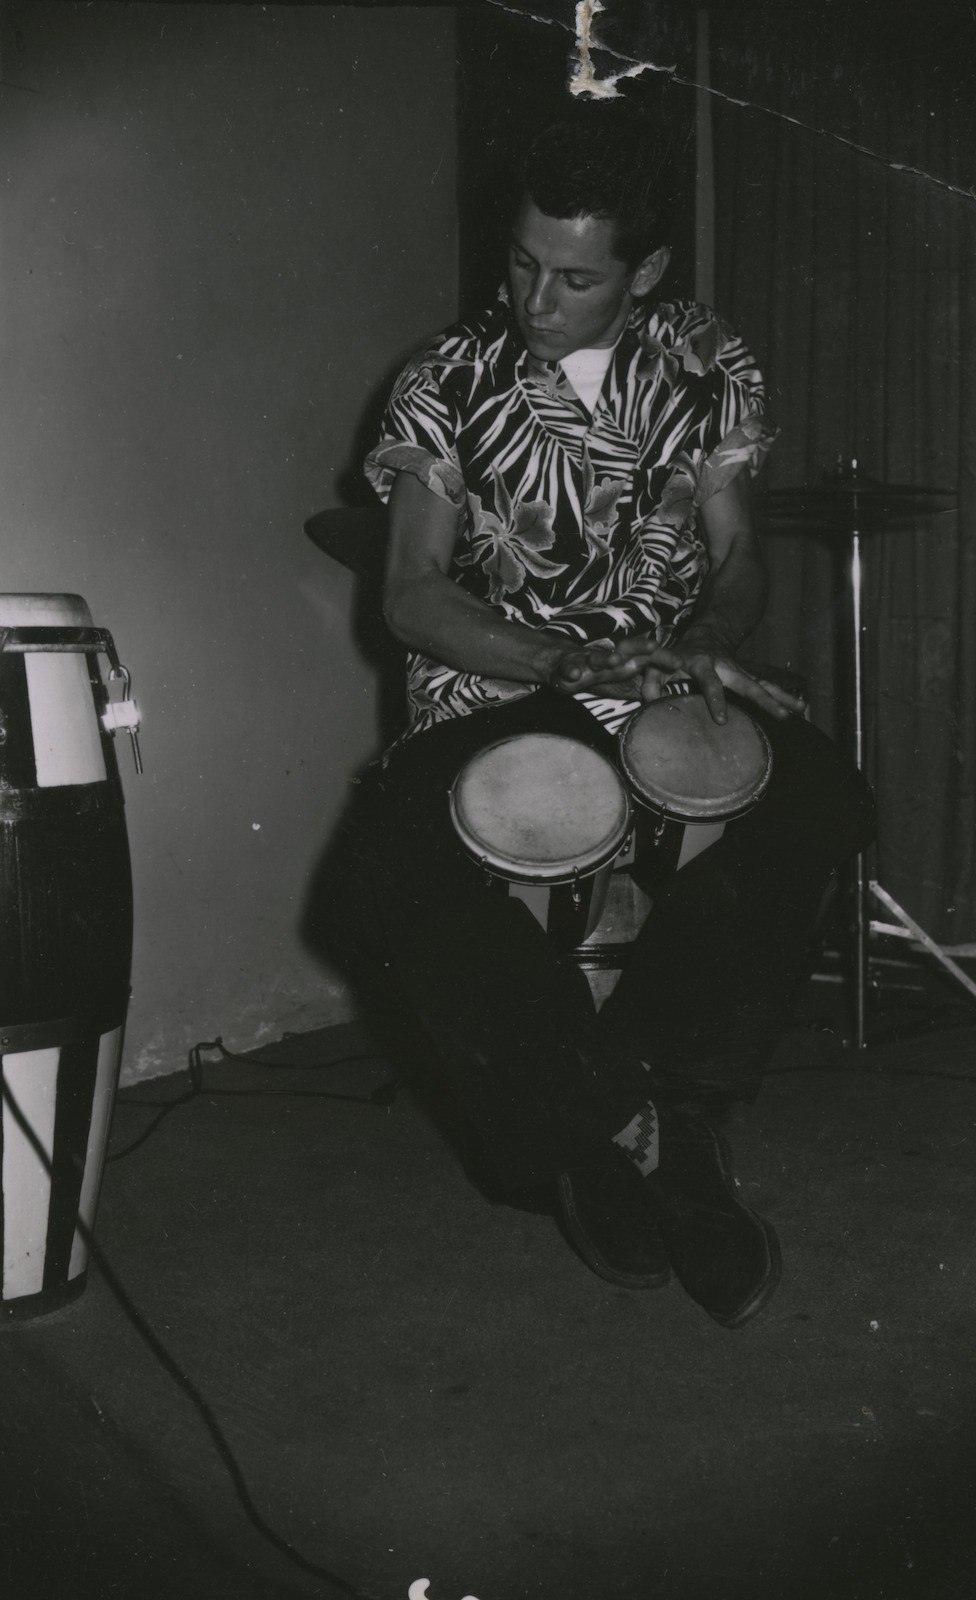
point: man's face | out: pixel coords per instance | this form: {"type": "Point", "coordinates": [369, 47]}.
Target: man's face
{"type": "Point", "coordinates": [569, 291]}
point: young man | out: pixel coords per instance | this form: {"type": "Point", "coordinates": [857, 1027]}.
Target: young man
{"type": "Point", "coordinates": [567, 478]}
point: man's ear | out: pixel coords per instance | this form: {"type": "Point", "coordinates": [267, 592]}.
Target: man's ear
{"type": "Point", "coordinates": [650, 272]}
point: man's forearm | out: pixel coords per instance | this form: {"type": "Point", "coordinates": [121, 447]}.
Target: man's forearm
{"type": "Point", "coordinates": [731, 603]}
{"type": "Point", "coordinates": [436, 616]}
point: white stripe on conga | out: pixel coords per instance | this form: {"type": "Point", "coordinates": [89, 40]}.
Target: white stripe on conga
{"type": "Point", "coordinates": [64, 721]}
{"type": "Point", "coordinates": [696, 838]}
{"type": "Point", "coordinates": [31, 1077]}
{"type": "Point", "coordinates": [535, 896]}
{"type": "Point", "coordinates": [109, 1056]}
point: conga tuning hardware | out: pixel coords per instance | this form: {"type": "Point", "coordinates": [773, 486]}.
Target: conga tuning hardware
{"type": "Point", "coordinates": [44, 639]}
{"type": "Point", "coordinates": [122, 713]}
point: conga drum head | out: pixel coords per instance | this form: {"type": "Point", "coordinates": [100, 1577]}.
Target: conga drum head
{"type": "Point", "coordinates": [681, 763]}
{"type": "Point", "coordinates": [540, 808]}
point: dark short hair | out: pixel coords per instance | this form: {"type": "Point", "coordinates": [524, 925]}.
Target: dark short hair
{"type": "Point", "coordinates": [606, 160]}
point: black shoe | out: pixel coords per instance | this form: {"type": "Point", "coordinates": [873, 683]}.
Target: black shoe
{"type": "Point", "coordinates": [611, 1217]}
{"type": "Point", "coordinates": [723, 1254]}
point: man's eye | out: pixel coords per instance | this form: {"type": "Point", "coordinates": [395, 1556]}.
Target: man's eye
{"type": "Point", "coordinates": [577, 284]}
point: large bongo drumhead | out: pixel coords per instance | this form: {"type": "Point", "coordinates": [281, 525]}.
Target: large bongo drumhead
{"type": "Point", "coordinates": [540, 808]}
{"type": "Point", "coordinates": [680, 762]}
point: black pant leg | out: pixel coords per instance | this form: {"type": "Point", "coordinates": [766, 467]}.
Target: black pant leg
{"type": "Point", "coordinates": [512, 1021]}
{"type": "Point", "coordinates": [713, 977]}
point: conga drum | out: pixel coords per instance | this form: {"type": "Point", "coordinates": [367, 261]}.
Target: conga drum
{"type": "Point", "coordinates": [65, 940]}
{"type": "Point", "coordinates": [545, 816]}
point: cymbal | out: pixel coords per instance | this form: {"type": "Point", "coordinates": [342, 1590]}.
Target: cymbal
{"type": "Point", "coordinates": [849, 502]}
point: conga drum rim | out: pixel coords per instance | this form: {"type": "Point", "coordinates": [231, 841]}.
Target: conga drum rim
{"type": "Point", "coordinates": [540, 808]}
{"type": "Point", "coordinates": [44, 611]}
{"type": "Point", "coordinates": [681, 763]}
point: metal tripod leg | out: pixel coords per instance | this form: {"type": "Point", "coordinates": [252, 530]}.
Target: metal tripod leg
{"type": "Point", "coordinates": [862, 931]}
{"type": "Point", "coordinates": [910, 929]}
{"type": "Point", "coordinates": [862, 927]}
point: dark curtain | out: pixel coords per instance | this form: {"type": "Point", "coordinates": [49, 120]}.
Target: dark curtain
{"type": "Point", "coordinates": [855, 282]}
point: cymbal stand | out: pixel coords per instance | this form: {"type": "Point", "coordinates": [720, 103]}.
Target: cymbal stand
{"type": "Point", "coordinates": [866, 888]}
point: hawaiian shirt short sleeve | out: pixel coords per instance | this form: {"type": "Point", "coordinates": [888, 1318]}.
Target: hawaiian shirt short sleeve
{"type": "Point", "coordinates": [718, 400]}
{"type": "Point", "coordinates": [418, 431]}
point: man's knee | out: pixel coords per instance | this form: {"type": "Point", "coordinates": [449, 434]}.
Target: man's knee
{"type": "Point", "coordinates": [816, 791]}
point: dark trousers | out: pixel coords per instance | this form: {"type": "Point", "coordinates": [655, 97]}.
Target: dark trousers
{"type": "Point", "coordinates": [544, 1079]}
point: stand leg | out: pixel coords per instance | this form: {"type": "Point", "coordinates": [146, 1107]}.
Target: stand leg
{"type": "Point", "coordinates": [861, 915]}
{"type": "Point", "coordinates": [862, 929]}
{"type": "Point", "coordinates": [928, 943]}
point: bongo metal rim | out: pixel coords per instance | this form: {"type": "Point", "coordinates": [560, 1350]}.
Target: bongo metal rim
{"type": "Point", "coordinates": [564, 870]}
{"type": "Point", "coordinates": [719, 809]}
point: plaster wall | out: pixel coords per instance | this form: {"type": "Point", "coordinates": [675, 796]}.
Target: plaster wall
{"type": "Point", "coordinates": [222, 228]}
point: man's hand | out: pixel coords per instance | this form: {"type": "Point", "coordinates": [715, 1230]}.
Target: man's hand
{"type": "Point", "coordinates": [614, 669]}
{"type": "Point", "coordinates": [707, 660]}
{"type": "Point", "coordinates": [637, 668]}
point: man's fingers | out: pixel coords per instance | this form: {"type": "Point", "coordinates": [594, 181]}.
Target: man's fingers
{"type": "Point", "coordinates": [652, 683]}
{"type": "Point", "coordinates": [639, 668]}
{"type": "Point", "coordinates": [713, 694]}
{"type": "Point", "coordinates": [568, 670]}
{"type": "Point", "coordinates": [768, 696]}
{"type": "Point", "coordinates": [792, 702]}
{"type": "Point", "coordinates": [644, 652]}
{"type": "Point", "coordinates": [583, 667]}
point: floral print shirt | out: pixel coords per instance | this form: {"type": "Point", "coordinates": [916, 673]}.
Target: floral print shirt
{"type": "Point", "coordinates": [585, 525]}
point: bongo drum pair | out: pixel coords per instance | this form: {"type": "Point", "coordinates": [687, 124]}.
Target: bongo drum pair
{"type": "Point", "coordinates": [547, 817]}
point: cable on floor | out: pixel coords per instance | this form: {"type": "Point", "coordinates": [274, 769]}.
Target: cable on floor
{"type": "Point", "coordinates": [183, 1381]}
{"type": "Point", "coordinates": [383, 1095]}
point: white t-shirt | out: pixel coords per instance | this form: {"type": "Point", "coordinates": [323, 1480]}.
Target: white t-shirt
{"type": "Point", "coordinates": [586, 370]}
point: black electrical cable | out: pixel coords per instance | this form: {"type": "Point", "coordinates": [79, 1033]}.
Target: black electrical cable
{"type": "Point", "coordinates": [383, 1095]}
{"type": "Point", "coordinates": [183, 1381]}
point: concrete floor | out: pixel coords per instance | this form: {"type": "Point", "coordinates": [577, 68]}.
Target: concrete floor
{"type": "Point", "coordinates": [416, 1383]}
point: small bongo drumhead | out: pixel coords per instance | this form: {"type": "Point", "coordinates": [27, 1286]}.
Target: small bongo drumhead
{"type": "Point", "coordinates": [681, 762]}
{"type": "Point", "coordinates": [540, 808]}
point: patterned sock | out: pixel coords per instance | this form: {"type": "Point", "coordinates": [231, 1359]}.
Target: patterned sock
{"type": "Point", "coordinates": [640, 1140]}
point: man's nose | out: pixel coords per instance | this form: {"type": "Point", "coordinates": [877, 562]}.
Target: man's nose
{"type": "Point", "coordinates": [540, 299]}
